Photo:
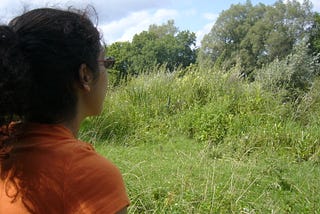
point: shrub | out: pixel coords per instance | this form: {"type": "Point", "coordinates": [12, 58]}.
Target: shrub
{"type": "Point", "coordinates": [292, 76]}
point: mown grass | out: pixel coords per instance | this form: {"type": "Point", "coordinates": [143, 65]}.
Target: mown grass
{"type": "Point", "coordinates": [197, 141]}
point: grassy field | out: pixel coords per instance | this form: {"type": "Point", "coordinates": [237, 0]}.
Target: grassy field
{"type": "Point", "coordinates": [197, 141]}
{"type": "Point", "coordinates": [181, 177]}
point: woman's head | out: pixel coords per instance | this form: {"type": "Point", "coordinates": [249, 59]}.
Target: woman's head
{"type": "Point", "coordinates": [41, 53]}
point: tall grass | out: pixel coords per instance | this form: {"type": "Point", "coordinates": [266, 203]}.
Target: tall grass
{"type": "Point", "coordinates": [207, 106]}
{"type": "Point", "coordinates": [204, 141]}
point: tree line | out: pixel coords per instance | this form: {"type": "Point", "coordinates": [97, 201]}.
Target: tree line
{"type": "Point", "coordinates": [246, 35]}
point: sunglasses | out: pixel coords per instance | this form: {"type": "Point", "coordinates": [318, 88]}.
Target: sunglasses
{"type": "Point", "coordinates": [108, 62]}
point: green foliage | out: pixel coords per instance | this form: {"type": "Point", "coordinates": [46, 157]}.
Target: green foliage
{"type": "Point", "coordinates": [161, 45]}
{"type": "Point", "coordinates": [292, 76]}
{"type": "Point", "coordinates": [166, 29]}
{"type": "Point", "coordinates": [226, 34]}
{"type": "Point", "coordinates": [207, 123]}
{"type": "Point", "coordinates": [217, 108]}
{"type": "Point", "coordinates": [253, 36]}
{"type": "Point", "coordinates": [122, 53]}
{"type": "Point", "coordinates": [315, 34]}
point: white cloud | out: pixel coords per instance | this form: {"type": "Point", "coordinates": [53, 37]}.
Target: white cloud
{"type": "Point", "coordinates": [316, 5]}
{"type": "Point", "coordinates": [201, 33]}
{"type": "Point", "coordinates": [136, 22]}
{"type": "Point", "coordinates": [107, 10]}
{"type": "Point", "coordinates": [190, 12]}
{"type": "Point", "coordinates": [210, 16]}
{"type": "Point", "coordinates": [119, 20]}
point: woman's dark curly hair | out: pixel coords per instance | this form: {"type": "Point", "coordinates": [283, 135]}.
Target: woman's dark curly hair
{"type": "Point", "coordinates": [40, 55]}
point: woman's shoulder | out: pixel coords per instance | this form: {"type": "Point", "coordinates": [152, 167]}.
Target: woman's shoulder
{"type": "Point", "coordinates": [96, 183]}
{"type": "Point", "coordinates": [85, 159]}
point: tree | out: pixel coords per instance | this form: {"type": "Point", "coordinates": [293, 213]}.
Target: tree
{"type": "Point", "coordinates": [315, 34]}
{"type": "Point", "coordinates": [225, 36]}
{"type": "Point", "coordinates": [160, 45]}
{"type": "Point", "coordinates": [166, 29]}
{"type": "Point", "coordinates": [143, 53]}
{"type": "Point", "coordinates": [255, 35]}
{"type": "Point", "coordinates": [122, 53]}
{"type": "Point", "coordinates": [185, 51]}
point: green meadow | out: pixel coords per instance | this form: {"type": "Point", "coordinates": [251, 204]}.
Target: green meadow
{"type": "Point", "coordinates": [197, 140]}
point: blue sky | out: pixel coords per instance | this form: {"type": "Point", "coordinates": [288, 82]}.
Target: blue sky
{"type": "Point", "coordinates": [120, 20]}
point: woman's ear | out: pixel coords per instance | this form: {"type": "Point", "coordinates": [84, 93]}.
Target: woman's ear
{"type": "Point", "coordinates": [85, 77]}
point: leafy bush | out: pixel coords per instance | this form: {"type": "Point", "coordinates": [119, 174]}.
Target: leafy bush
{"type": "Point", "coordinates": [292, 76]}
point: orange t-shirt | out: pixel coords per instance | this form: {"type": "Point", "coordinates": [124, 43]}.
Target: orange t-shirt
{"type": "Point", "coordinates": [56, 173]}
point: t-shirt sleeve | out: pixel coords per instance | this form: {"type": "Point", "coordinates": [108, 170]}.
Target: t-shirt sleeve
{"type": "Point", "coordinates": [93, 184]}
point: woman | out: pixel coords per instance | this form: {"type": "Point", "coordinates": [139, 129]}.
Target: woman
{"type": "Point", "coordinates": [52, 71]}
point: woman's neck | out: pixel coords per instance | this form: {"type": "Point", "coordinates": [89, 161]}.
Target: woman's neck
{"type": "Point", "coordinates": [73, 125]}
